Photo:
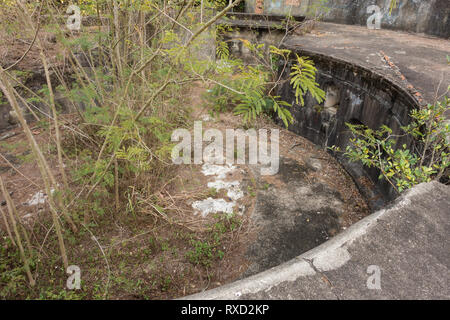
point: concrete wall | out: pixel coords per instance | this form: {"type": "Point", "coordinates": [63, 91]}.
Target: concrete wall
{"type": "Point", "coordinates": [354, 95]}
{"type": "Point", "coordinates": [422, 16]}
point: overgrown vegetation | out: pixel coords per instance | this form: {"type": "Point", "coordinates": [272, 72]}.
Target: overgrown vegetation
{"type": "Point", "coordinates": [252, 87]}
{"type": "Point", "coordinates": [125, 89]}
{"type": "Point", "coordinates": [423, 157]}
{"type": "Point", "coordinates": [104, 164]}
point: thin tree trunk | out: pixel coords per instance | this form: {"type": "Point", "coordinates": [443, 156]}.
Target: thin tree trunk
{"type": "Point", "coordinates": [8, 230]}
{"type": "Point", "coordinates": [5, 86]}
{"type": "Point", "coordinates": [55, 119]}
{"type": "Point", "coordinates": [116, 183]}
{"type": "Point", "coordinates": [18, 237]}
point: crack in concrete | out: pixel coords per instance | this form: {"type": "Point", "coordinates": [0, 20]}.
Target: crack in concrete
{"type": "Point", "coordinates": [324, 277]}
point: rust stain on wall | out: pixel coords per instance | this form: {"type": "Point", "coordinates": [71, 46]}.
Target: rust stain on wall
{"type": "Point", "coordinates": [294, 3]}
{"type": "Point", "coordinates": [259, 6]}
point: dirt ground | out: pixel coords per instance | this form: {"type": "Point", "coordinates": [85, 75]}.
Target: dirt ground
{"type": "Point", "coordinates": [144, 256]}
{"type": "Point", "coordinates": [141, 250]}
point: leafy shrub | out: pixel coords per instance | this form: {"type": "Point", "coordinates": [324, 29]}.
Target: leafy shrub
{"type": "Point", "coordinates": [249, 87]}
{"type": "Point", "coordinates": [402, 167]}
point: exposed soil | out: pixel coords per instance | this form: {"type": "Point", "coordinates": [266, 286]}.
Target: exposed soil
{"type": "Point", "coordinates": [299, 207]}
{"type": "Point", "coordinates": [154, 253]}
{"type": "Point", "coordinates": [168, 251]}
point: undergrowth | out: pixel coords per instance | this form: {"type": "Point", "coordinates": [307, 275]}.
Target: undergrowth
{"type": "Point", "coordinates": [112, 96]}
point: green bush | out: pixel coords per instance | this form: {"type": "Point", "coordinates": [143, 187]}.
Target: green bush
{"type": "Point", "coordinates": [403, 167]}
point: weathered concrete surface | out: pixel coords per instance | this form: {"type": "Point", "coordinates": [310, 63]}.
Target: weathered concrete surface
{"type": "Point", "coordinates": [419, 16]}
{"type": "Point", "coordinates": [408, 241]}
{"type": "Point", "coordinates": [371, 78]}
{"type": "Point", "coordinates": [422, 60]}
{"type": "Point", "coordinates": [292, 215]}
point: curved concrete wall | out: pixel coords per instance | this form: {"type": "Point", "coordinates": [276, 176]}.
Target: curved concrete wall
{"type": "Point", "coordinates": [421, 16]}
{"type": "Point", "coordinates": [356, 95]}
{"type": "Point", "coordinates": [408, 242]}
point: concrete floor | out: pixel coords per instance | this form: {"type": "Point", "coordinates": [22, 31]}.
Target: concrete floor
{"type": "Point", "coordinates": [420, 59]}
{"type": "Point", "coordinates": [400, 252]}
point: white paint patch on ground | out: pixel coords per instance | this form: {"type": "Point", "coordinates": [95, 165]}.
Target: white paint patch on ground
{"type": "Point", "coordinates": [233, 188]}
{"type": "Point", "coordinates": [211, 205]}
{"type": "Point", "coordinates": [206, 118]}
{"type": "Point", "coordinates": [27, 216]}
{"type": "Point", "coordinates": [217, 170]}
{"type": "Point", "coordinates": [328, 260]}
{"type": "Point", "coordinates": [38, 198]}
{"type": "Point", "coordinates": [234, 192]}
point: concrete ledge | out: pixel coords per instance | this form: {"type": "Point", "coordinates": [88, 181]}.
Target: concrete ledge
{"type": "Point", "coordinates": [418, 60]}
{"type": "Point", "coordinates": [375, 78]}
{"type": "Point", "coordinates": [419, 16]}
{"type": "Point", "coordinates": [408, 242]}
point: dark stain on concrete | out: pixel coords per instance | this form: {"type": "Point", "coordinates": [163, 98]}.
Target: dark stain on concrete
{"type": "Point", "coordinates": [291, 171]}
{"type": "Point", "coordinates": [292, 218]}
{"type": "Point", "coordinates": [281, 243]}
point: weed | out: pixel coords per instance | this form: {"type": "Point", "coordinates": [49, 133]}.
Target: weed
{"type": "Point", "coordinates": [212, 192]}
{"type": "Point", "coordinates": [202, 253]}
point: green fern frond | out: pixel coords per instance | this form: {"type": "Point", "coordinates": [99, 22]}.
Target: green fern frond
{"type": "Point", "coordinates": [223, 52]}
{"type": "Point", "coordinates": [251, 106]}
{"type": "Point", "coordinates": [283, 113]}
{"type": "Point", "coordinates": [303, 79]}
